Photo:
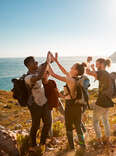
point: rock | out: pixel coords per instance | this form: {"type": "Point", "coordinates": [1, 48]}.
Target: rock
{"type": "Point", "coordinates": [17, 104]}
{"type": "Point", "coordinates": [10, 101]}
{"type": "Point", "coordinates": [28, 121]}
{"type": "Point", "coordinates": [7, 106]}
{"type": "Point", "coordinates": [8, 145]}
{"type": "Point", "coordinates": [1, 103]}
{"type": "Point", "coordinates": [18, 126]}
{"type": "Point", "coordinates": [16, 116]}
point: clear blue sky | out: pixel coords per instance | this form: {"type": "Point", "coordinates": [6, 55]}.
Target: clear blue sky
{"type": "Point", "coordinates": [70, 27]}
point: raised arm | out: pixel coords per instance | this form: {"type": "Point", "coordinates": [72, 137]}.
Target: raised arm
{"type": "Point", "coordinates": [59, 65]}
{"type": "Point", "coordinates": [61, 78]}
{"type": "Point", "coordinates": [91, 73]}
{"type": "Point", "coordinates": [41, 70]}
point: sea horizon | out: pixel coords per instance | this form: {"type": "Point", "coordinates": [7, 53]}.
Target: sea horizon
{"type": "Point", "coordinates": [14, 67]}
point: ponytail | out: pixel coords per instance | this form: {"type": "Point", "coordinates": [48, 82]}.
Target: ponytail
{"type": "Point", "coordinates": [106, 62]}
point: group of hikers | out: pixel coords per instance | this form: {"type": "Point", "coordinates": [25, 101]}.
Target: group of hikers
{"type": "Point", "coordinates": [43, 96]}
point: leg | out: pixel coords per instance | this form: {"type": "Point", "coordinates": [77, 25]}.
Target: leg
{"type": "Point", "coordinates": [79, 133]}
{"type": "Point", "coordinates": [106, 123]}
{"type": "Point", "coordinates": [96, 117]}
{"type": "Point", "coordinates": [34, 129]}
{"type": "Point", "coordinates": [47, 120]}
{"type": "Point", "coordinates": [78, 125]}
{"type": "Point", "coordinates": [51, 128]}
{"type": "Point", "coordinates": [69, 132]}
{"type": "Point", "coordinates": [36, 116]}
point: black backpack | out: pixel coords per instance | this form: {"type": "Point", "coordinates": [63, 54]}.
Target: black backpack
{"type": "Point", "coordinates": [20, 90]}
{"type": "Point", "coordinates": [113, 77]}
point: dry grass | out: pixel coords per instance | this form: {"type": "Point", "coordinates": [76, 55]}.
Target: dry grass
{"type": "Point", "coordinates": [16, 117]}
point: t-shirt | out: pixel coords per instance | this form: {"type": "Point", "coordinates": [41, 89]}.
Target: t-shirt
{"type": "Point", "coordinates": [105, 83]}
{"type": "Point", "coordinates": [51, 93]}
{"type": "Point", "coordinates": [38, 92]}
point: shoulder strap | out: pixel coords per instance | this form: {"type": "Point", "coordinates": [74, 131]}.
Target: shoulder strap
{"type": "Point", "coordinates": [69, 91]}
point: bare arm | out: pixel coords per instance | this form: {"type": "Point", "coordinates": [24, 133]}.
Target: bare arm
{"type": "Point", "coordinates": [61, 78]}
{"type": "Point", "coordinates": [59, 94]}
{"type": "Point", "coordinates": [93, 67]}
{"type": "Point", "coordinates": [60, 66]}
{"type": "Point", "coordinates": [41, 70]}
{"type": "Point", "coordinates": [91, 73]}
{"type": "Point", "coordinates": [40, 73]}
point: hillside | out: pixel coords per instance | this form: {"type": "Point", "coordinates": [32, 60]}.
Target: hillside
{"type": "Point", "coordinates": [17, 119]}
{"type": "Point", "coordinates": [113, 57]}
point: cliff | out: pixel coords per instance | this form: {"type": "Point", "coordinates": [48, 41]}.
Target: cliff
{"type": "Point", "coordinates": [113, 57]}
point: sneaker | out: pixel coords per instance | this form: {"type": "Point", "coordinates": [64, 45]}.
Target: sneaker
{"type": "Point", "coordinates": [49, 149]}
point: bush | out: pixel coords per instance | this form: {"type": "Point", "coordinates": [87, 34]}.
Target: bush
{"type": "Point", "coordinates": [58, 128]}
{"type": "Point", "coordinates": [23, 143]}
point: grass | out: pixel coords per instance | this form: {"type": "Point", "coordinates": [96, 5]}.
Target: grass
{"type": "Point", "coordinates": [17, 115]}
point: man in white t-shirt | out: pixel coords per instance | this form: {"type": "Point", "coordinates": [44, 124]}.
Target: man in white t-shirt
{"type": "Point", "coordinates": [37, 102]}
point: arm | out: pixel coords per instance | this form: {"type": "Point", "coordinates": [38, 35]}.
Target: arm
{"type": "Point", "coordinates": [61, 78]}
{"type": "Point", "coordinates": [91, 73]}
{"type": "Point", "coordinates": [93, 67]}
{"type": "Point", "coordinates": [41, 70]}
{"type": "Point", "coordinates": [59, 65]}
{"type": "Point", "coordinates": [59, 94]}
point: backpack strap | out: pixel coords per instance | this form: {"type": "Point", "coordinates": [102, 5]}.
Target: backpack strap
{"type": "Point", "coordinates": [69, 92]}
{"type": "Point", "coordinates": [29, 89]}
{"type": "Point", "coordinates": [82, 89]}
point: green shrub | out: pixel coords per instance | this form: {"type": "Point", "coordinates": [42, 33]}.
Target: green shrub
{"type": "Point", "coordinates": [23, 143]}
{"type": "Point", "coordinates": [58, 128]}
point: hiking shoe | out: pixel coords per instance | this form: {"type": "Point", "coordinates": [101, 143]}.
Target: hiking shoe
{"type": "Point", "coordinates": [49, 149]}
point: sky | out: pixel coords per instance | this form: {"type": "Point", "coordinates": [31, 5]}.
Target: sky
{"type": "Point", "coordinates": [69, 27]}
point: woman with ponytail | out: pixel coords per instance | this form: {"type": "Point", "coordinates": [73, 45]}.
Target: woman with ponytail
{"type": "Point", "coordinates": [73, 111]}
{"type": "Point", "coordinates": [104, 100]}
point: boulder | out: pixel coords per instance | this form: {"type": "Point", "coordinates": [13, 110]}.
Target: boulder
{"type": "Point", "coordinates": [8, 145]}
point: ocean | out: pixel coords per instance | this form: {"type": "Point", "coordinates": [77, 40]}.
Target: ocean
{"type": "Point", "coordinates": [14, 67]}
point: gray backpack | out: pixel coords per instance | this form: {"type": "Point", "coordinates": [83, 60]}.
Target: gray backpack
{"type": "Point", "coordinates": [113, 77]}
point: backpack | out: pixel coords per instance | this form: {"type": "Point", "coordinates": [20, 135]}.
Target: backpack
{"type": "Point", "coordinates": [113, 77]}
{"type": "Point", "coordinates": [82, 85]}
{"type": "Point", "coordinates": [20, 90]}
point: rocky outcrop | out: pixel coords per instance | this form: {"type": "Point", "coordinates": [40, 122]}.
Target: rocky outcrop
{"type": "Point", "coordinates": [113, 57]}
{"type": "Point", "coordinates": [8, 145]}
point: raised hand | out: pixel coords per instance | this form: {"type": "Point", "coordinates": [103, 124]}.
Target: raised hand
{"type": "Point", "coordinates": [56, 56]}
{"type": "Point", "coordinates": [51, 72]}
{"type": "Point", "coordinates": [93, 67]}
{"type": "Point", "coordinates": [89, 59]}
{"type": "Point", "coordinates": [48, 57]}
{"type": "Point", "coordinates": [88, 71]}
